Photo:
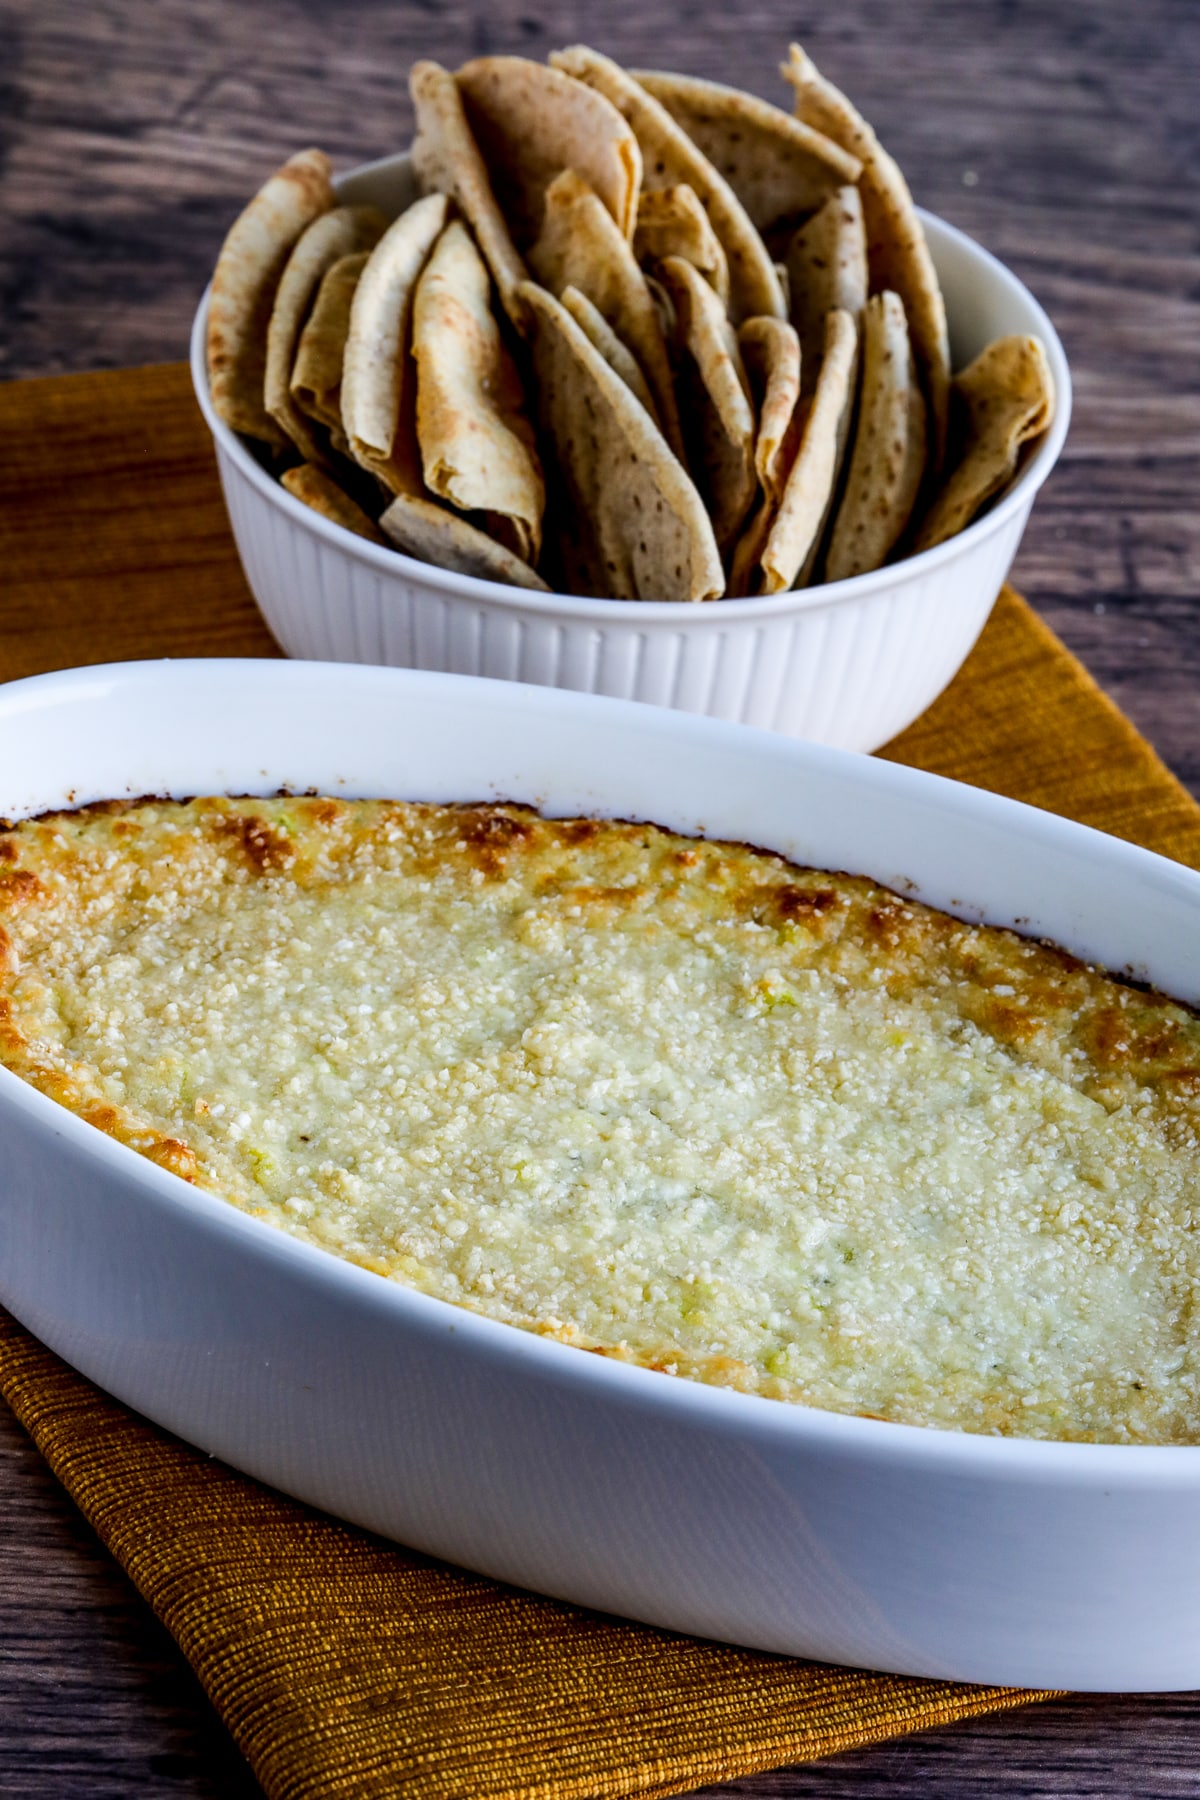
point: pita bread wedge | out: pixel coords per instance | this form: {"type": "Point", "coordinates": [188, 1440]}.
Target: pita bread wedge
{"type": "Point", "coordinates": [477, 446]}
{"type": "Point", "coordinates": [434, 534]}
{"type": "Point", "coordinates": [715, 399]}
{"type": "Point", "coordinates": [897, 255]}
{"type": "Point", "coordinates": [243, 289]}
{"type": "Point", "coordinates": [378, 397]}
{"type": "Point", "coordinates": [317, 490]}
{"type": "Point", "coordinates": [669, 157]}
{"type": "Point", "coordinates": [342, 232]}
{"type": "Point", "coordinates": [827, 270]}
{"type": "Point", "coordinates": [1006, 397]}
{"type": "Point", "coordinates": [779, 168]}
{"type": "Point", "coordinates": [580, 246]}
{"type": "Point", "coordinates": [888, 459]}
{"type": "Point", "coordinates": [664, 307]}
{"type": "Point", "coordinates": [745, 565]}
{"type": "Point", "coordinates": [316, 382]}
{"type": "Point", "coordinates": [531, 122]}
{"type": "Point", "coordinates": [672, 222]}
{"type": "Point", "coordinates": [790, 553]}
{"type": "Point", "coordinates": [447, 161]}
{"type": "Point", "coordinates": [634, 526]}
{"type": "Point", "coordinates": [771, 352]}
{"type": "Point", "coordinates": [603, 338]}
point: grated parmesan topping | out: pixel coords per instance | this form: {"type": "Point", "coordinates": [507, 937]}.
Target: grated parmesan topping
{"type": "Point", "coordinates": [621, 1089]}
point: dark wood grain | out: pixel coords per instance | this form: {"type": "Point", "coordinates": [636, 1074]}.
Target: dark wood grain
{"type": "Point", "coordinates": [1065, 136]}
{"type": "Point", "coordinates": [95, 1699]}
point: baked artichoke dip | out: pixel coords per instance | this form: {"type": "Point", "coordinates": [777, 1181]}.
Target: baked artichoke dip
{"type": "Point", "coordinates": [672, 1100]}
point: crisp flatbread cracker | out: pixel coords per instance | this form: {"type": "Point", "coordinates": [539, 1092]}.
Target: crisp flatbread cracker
{"type": "Point", "coordinates": [664, 307]}
{"type": "Point", "coordinates": [889, 455]}
{"type": "Point", "coordinates": [827, 271]}
{"type": "Point", "coordinates": [635, 527]}
{"type": "Point", "coordinates": [342, 232]}
{"type": "Point", "coordinates": [531, 122]}
{"type": "Point", "coordinates": [771, 353]}
{"type": "Point", "coordinates": [581, 246]}
{"type": "Point", "coordinates": [790, 553]}
{"type": "Point", "coordinates": [672, 222]}
{"type": "Point", "coordinates": [603, 338]}
{"type": "Point", "coordinates": [897, 254]}
{"type": "Point", "coordinates": [477, 446]}
{"type": "Point", "coordinates": [316, 381]}
{"type": "Point", "coordinates": [447, 161]}
{"type": "Point", "coordinates": [378, 381]}
{"type": "Point", "coordinates": [779, 167]}
{"type": "Point", "coordinates": [315, 488]}
{"type": "Point", "coordinates": [745, 565]}
{"type": "Point", "coordinates": [716, 402]}
{"type": "Point", "coordinates": [669, 157]}
{"type": "Point", "coordinates": [434, 534]}
{"type": "Point", "coordinates": [1006, 397]}
{"type": "Point", "coordinates": [247, 274]}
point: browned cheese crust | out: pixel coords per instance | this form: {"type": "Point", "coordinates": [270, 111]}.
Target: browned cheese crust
{"type": "Point", "coordinates": [101, 886]}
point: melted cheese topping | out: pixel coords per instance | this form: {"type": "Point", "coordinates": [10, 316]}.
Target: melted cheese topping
{"type": "Point", "coordinates": [672, 1100]}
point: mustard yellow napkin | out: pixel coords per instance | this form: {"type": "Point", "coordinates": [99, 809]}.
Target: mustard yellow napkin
{"type": "Point", "coordinates": [345, 1667]}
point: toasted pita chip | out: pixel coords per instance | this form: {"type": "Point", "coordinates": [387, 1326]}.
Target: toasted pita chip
{"type": "Point", "coordinates": [603, 338]}
{"type": "Point", "coordinates": [243, 289]}
{"type": "Point", "coordinates": [532, 122]}
{"type": "Point", "coordinates": [827, 270]}
{"type": "Point", "coordinates": [889, 454]}
{"type": "Point", "coordinates": [316, 489]}
{"type": "Point", "coordinates": [378, 383]}
{"type": "Point", "coordinates": [779, 547]}
{"type": "Point", "coordinates": [447, 161]}
{"type": "Point", "coordinates": [745, 565]}
{"type": "Point", "coordinates": [342, 232]}
{"type": "Point", "coordinates": [1006, 397]}
{"type": "Point", "coordinates": [670, 157]}
{"type": "Point", "coordinates": [434, 534]}
{"type": "Point", "coordinates": [316, 383]}
{"type": "Point", "coordinates": [771, 352]}
{"type": "Point", "coordinates": [897, 255]}
{"type": "Point", "coordinates": [581, 247]}
{"type": "Point", "coordinates": [636, 528]}
{"type": "Point", "coordinates": [716, 402]}
{"type": "Point", "coordinates": [672, 222]}
{"type": "Point", "coordinates": [779, 168]}
{"type": "Point", "coordinates": [664, 308]}
{"type": "Point", "coordinates": [477, 446]}
{"type": "Point", "coordinates": [790, 552]}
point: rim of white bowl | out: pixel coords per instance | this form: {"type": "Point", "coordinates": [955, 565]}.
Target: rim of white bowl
{"type": "Point", "coordinates": [588, 609]}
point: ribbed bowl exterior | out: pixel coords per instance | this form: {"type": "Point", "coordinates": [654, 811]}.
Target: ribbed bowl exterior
{"type": "Point", "coordinates": [850, 673]}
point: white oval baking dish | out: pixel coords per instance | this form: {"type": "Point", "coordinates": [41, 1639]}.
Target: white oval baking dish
{"type": "Point", "coordinates": [849, 664]}
{"type": "Point", "coordinates": [703, 1510]}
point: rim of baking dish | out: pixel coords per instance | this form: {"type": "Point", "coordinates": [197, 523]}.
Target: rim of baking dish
{"type": "Point", "coordinates": [1129, 1466]}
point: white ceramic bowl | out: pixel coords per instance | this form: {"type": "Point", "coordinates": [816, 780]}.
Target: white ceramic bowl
{"type": "Point", "coordinates": [849, 664]}
{"type": "Point", "coordinates": [700, 1509]}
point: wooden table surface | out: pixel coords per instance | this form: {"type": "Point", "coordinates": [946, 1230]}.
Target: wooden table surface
{"type": "Point", "coordinates": [1064, 136]}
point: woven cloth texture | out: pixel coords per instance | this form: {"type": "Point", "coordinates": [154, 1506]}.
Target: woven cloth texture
{"type": "Point", "coordinates": [345, 1667]}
